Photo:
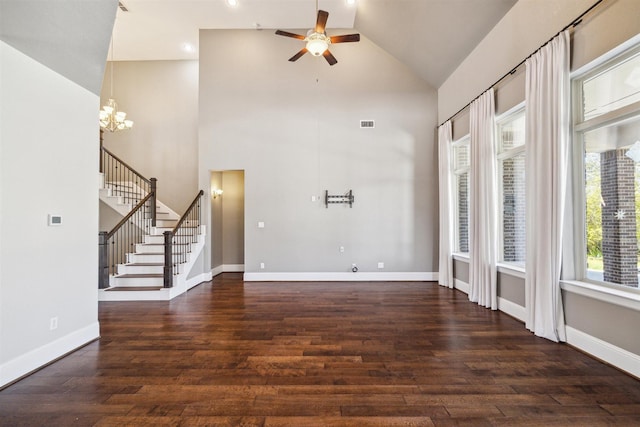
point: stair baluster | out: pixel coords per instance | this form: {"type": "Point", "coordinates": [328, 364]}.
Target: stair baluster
{"type": "Point", "coordinates": [122, 240]}
{"type": "Point", "coordinates": [184, 233]}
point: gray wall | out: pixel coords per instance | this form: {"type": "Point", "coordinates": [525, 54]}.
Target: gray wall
{"type": "Point", "coordinates": [611, 323]}
{"type": "Point", "coordinates": [216, 222]}
{"type": "Point", "coordinates": [294, 129]}
{"type": "Point", "coordinates": [49, 271]}
{"type": "Point", "coordinates": [161, 97]}
{"type": "Point", "coordinates": [233, 218]}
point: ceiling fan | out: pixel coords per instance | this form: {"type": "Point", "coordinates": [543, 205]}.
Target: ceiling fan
{"type": "Point", "coordinates": [317, 40]}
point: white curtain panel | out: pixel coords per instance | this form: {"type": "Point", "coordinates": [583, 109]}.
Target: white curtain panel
{"type": "Point", "coordinates": [547, 157]}
{"type": "Point", "coordinates": [483, 211]}
{"type": "Point", "coordinates": [445, 270]}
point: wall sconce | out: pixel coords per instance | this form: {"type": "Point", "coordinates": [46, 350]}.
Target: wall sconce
{"type": "Point", "coordinates": [216, 193]}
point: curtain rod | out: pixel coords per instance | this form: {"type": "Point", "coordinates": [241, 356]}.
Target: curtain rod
{"type": "Point", "coordinates": [573, 23]}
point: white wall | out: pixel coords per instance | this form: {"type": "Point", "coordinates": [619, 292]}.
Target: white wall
{"type": "Point", "coordinates": [294, 129]}
{"type": "Point", "coordinates": [48, 165]}
{"type": "Point", "coordinates": [161, 97]}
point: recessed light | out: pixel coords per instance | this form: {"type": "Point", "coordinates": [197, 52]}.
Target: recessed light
{"type": "Point", "coordinates": [188, 47]}
{"type": "Point", "coordinates": [351, 2]}
{"type": "Point", "coordinates": [232, 3]}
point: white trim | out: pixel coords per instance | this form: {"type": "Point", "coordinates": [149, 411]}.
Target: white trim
{"type": "Point", "coordinates": [163, 294]}
{"type": "Point", "coordinates": [603, 350]}
{"type": "Point", "coordinates": [511, 270]}
{"type": "Point", "coordinates": [231, 268]}
{"type": "Point", "coordinates": [196, 280]}
{"type": "Point", "coordinates": [341, 277]}
{"type": "Point", "coordinates": [460, 256]}
{"type": "Point", "coordinates": [618, 297]}
{"type": "Point", "coordinates": [512, 309]}
{"type": "Point", "coordinates": [37, 358]}
{"type": "Point", "coordinates": [216, 270]}
{"type": "Point", "coordinates": [461, 286]}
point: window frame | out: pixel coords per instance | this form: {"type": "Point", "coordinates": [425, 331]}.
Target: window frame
{"type": "Point", "coordinates": [509, 115]}
{"type": "Point", "coordinates": [455, 173]}
{"type": "Point", "coordinates": [579, 128]}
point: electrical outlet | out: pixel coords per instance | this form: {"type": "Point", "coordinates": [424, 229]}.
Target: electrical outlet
{"type": "Point", "coordinates": [262, 266]}
{"type": "Point", "coordinates": [381, 265]}
{"type": "Point", "coordinates": [341, 249]}
{"type": "Point", "coordinates": [53, 323]}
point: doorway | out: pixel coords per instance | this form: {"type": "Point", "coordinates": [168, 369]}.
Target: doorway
{"type": "Point", "coordinates": [227, 221]}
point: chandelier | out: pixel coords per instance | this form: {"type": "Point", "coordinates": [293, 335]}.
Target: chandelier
{"type": "Point", "coordinates": [110, 118]}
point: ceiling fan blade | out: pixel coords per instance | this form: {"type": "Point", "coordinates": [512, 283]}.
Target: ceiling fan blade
{"type": "Point", "coordinates": [298, 55]}
{"type": "Point", "coordinates": [329, 57]}
{"type": "Point", "coordinates": [287, 34]}
{"type": "Point", "coordinates": [346, 38]}
{"type": "Point", "coordinates": [321, 22]}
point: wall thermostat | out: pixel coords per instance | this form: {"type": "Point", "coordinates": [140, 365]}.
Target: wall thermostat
{"type": "Point", "coordinates": [55, 219]}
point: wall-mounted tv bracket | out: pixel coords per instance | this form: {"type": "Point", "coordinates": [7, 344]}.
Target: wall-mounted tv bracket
{"type": "Point", "coordinates": [343, 198]}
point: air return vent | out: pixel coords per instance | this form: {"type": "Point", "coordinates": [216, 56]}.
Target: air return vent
{"type": "Point", "coordinates": [122, 7]}
{"type": "Point", "coordinates": [367, 124]}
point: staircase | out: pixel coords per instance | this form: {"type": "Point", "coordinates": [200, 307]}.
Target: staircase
{"type": "Point", "coordinates": [143, 260]}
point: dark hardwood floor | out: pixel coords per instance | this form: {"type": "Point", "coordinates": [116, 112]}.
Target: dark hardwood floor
{"type": "Point", "coordinates": [319, 354]}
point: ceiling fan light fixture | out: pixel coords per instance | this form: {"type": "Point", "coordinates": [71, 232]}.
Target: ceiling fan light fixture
{"type": "Point", "coordinates": [317, 43]}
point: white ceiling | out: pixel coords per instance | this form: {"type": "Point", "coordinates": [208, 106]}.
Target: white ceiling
{"type": "Point", "coordinates": [431, 37]}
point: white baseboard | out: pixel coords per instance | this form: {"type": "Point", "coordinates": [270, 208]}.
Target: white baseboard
{"type": "Point", "coordinates": [37, 358]}
{"type": "Point", "coordinates": [227, 268]}
{"type": "Point", "coordinates": [512, 309]}
{"type": "Point", "coordinates": [196, 280]}
{"type": "Point", "coordinates": [342, 277]}
{"type": "Point", "coordinates": [603, 350]}
{"type": "Point", "coordinates": [216, 270]}
{"type": "Point", "coordinates": [461, 286]}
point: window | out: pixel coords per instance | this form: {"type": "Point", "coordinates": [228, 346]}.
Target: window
{"type": "Point", "coordinates": [608, 130]}
{"type": "Point", "coordinates": [511, 165]}
{"type": "Point", "coordinates": [461, 193]}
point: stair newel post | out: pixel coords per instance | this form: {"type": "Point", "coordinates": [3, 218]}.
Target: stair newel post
{"type": "Point", "coordinates": [168, 259]}
{"type": "Point", "coordinates": [103, 260]}
{"type": "Point", "coordinates": [100, 152]}
{"type": "Point", "coordinates": [153, 184]}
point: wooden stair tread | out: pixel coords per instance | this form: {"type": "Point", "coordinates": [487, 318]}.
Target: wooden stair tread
{"type": "Point", "coordinates": [145, 264]}
{"type": "Point", "coordinates": [162, 244]}
{"type": "Point", "coordinates": [134, 288]}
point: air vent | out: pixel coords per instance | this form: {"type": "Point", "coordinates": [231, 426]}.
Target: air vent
{"type": "Point", "coordinates": [367, 124]}
{"type": "Point", "coordinates": [122, 7]}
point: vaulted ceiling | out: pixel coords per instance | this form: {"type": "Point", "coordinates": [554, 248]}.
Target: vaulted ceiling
{"type": "Point", "coordinates": [431, 37]}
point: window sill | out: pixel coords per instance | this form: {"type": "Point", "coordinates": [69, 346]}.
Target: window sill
{"type": "Point", "coordinates": [621, 297]}
{"type": "Point", "coordinates": [461, 256]}
{"type": "Point", "coordinates": [511, 269]}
